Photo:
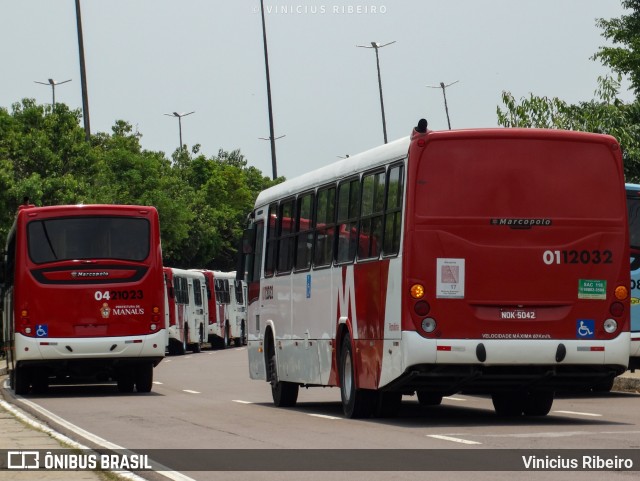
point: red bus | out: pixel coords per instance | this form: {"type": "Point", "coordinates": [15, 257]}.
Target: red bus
{"type": "Point", "coordinates": [490, 261]}
{"type": "Point", "coordinates": [187, 310]}
{"type": "Point", "coordinates": [82, 291]}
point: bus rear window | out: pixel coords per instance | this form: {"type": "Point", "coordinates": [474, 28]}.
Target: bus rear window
{"type": "Point", "coordinates": [71, 238]}
{"type": "Point", "coordinates": [517, 178]}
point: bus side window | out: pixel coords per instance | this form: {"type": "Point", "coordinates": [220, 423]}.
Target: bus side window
{"type": "Point", "coordinates": [304, 232]}
{"type": "Point", "coordinates": [373, 196]}
{"type": "Point", "coordinates": [348, 220]}
{"type": "Point", "coordinates": [197, 292]}
{"type": "Point", "coordinates": [393, 212]}
{"type": "Point", "coordinates": [285, 237]}
{"type": "Point", "coordinates": [270, 261]}
{"type": "Point", "coordinates": [325, 227]}
{"type": "Point", "coordinates": [257, 252]}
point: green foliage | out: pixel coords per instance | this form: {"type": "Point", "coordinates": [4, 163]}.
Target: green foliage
{"type": "Point", "coordinates": [606, 113]}
{"type": "Point", "coordinates": [624, 32]}
{"type": "Point", "coordinates": [202, 202]}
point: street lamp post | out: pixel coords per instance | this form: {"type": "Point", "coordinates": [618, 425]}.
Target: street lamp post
{"type": "Point", "coordinates": [444, 87]}
{"type": "Point", "coordinates": [272, 140]}
{"type": "Point", "coordinates": [83, 75]}
{"type": "Point", "coordinates": [180, 115]}
{"type": "Point", "coordinates": [377, 46]}
{"type": "Point", "coordinates": [53, 84]}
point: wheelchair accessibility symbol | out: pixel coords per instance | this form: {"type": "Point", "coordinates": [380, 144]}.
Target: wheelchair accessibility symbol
{"type": "Point", "coordinates": [585, 328]}
{"type": "Point", "coordinates": [42, 330]}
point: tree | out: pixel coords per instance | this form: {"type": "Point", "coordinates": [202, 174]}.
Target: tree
{"type": "Point", "coordinates": [624, 32]}
{"type": "Point", "coordinates": [606, 113]}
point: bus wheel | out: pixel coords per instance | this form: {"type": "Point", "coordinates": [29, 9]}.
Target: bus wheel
{"type": "Point", "coordinates": [356, 403]}
{"type": "Point", "coordinates": [243, 334]}
{"type": "Point", "coordinates": [538, 403]}
{"type": "Point", "coordinates": [185, 340]}
{"type": "Point", "coordinates": [144, 377]}
{"type": "Point", "coordinates": [285, 394]}
{"type": "Point", "coordinates": [40, 382]}
{"type": "Point", "coordinates": [426, 398]}
{"type": "Point", "coordinates": [388, 404]}
{"type": "Point", "coordinates": [125, 380]}
{"type": "Point", "coordinates": [508, 404]}
{"type": "Point", "coordinates": [21, 380]}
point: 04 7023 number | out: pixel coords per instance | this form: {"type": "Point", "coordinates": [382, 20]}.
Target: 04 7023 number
{"type": "Point", "coordinates": [118, 295]}
{"type": "Point", "coordinates": [595, 256]}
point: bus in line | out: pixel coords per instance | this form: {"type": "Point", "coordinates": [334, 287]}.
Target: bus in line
{"type": "Point", "coordinates": [187, 309]}
{"type": "Point", "coordinates": [633, 204]}
{"type": "Point", "coordinates": [473, 260]}
{"type": "Point", "coordinates": [229, 298]}
{"type": "Point", "coordinates": [82, 296]}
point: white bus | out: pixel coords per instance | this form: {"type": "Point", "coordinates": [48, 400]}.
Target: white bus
{"type": "Point", "coordinates": [231, 298]}
{"type": "Point", "coordinates": [185, 292]}
{"type": "Point", "coordinates": [444, 262]}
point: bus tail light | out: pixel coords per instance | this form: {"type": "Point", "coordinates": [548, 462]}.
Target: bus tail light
{"type": "Point", "coordinates": [153, 327]}
{"type": "Point", "coordinates": [156, 316]}
{"type": "Point", "coordinates": [417, 291]}
{"type": "Point", "coordinates": [621, 293]}
{"type": "Point", "coordinates": [429, 325]}
{"type": "Point", "coordinates": [422, 308]}
{"type": "Point", "coordinates": [610, 326]}
{"type": "Point", "coordinates": [617, 309]}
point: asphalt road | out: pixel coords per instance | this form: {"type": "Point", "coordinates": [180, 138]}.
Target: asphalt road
{"type": "Point", "coordinates": [206, 401]}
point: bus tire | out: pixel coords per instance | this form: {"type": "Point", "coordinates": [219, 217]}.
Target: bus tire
{"type": "Point", "coordinates": [21, 380]}
{"type": "Point", "coordinates": [426, 398]}
{"type": "Point", "coordinates": [388, 404]}
{"type": "Point", "coordinates": [144, 377]}
{"type": "Point", "coordinates": [185, 340]}
{"type": "Point", "coordinates": [508, 404]}
{"type": "Point", "coordinates": [243, 334]}
{"type": "Point", "coordinates": [538, 403]}
{"type": "Point", "coordinates": [356, 403]}
{"type": "Point", "coordinates": [285, 394]}
{"type": "Point", "coordinates": [125, 380]}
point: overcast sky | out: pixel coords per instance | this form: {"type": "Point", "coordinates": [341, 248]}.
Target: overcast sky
{"type": "Point", "coordinates": [148, 57]}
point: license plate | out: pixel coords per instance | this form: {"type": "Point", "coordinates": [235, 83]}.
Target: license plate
{"type": "Point", "coordinates": [517, 314]}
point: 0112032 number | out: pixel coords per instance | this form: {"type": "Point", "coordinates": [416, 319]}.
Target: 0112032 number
{"type": "Point", "coordinates": [577, 257]}
{"type": "Point", "coordinates": [132, 294]}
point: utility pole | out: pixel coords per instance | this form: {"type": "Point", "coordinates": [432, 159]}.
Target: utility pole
{"type": "Point", "coordinates": [83, 75]}
{"type": "Point", "coordinates": [272, 140]}
{"type": "Point", "coordinates": [444, 87]}
{"type": "Point", "coordinates": [377, 46]}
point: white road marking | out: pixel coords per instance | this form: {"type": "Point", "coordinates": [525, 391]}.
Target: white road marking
{"type": "Point", "coordinates": [157, 382]}
{"type": "Point", "coordinates": [452, 439]}
{"type": "Point", "coordinates": [451, 398]}
{"type": "Point", "coordinates": [539, 435]}
{"type": "Point", "coordinates": [579, 414]}
{"type": "Point", "coordinates": [191, 392]}
{"type": "Point", "coordinates": [323, 416]}
{"type": "Point", "coordinates": [242, 402]}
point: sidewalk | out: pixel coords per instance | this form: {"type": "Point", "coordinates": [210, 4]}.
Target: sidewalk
{"type": "Point", "coordinates": [19, 431]}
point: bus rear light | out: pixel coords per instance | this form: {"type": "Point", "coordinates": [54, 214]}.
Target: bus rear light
{"type": "Point", "coordinates": [153, 327]}
{"type": "Point", "coordinates": [422, 308]}
{"type": "Point", "coordinates": [24, 313]}
{"type": "Point", "coordinates": [610, 326]}
{"type": "Point", "coordinates": [617, 309]}
{"type": "Point", "coordinates": [155, 318]}
{"type": "Point", "coordinates": [27, 330]}
{"type": "Point", "coordinates": [621, 293]}
{"type": "Point", "coordinates": [417, 291]}
{"type": "Point", "coordinates": [429, 324]}
{"type": "Point", "coordinates": [156, 310]}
